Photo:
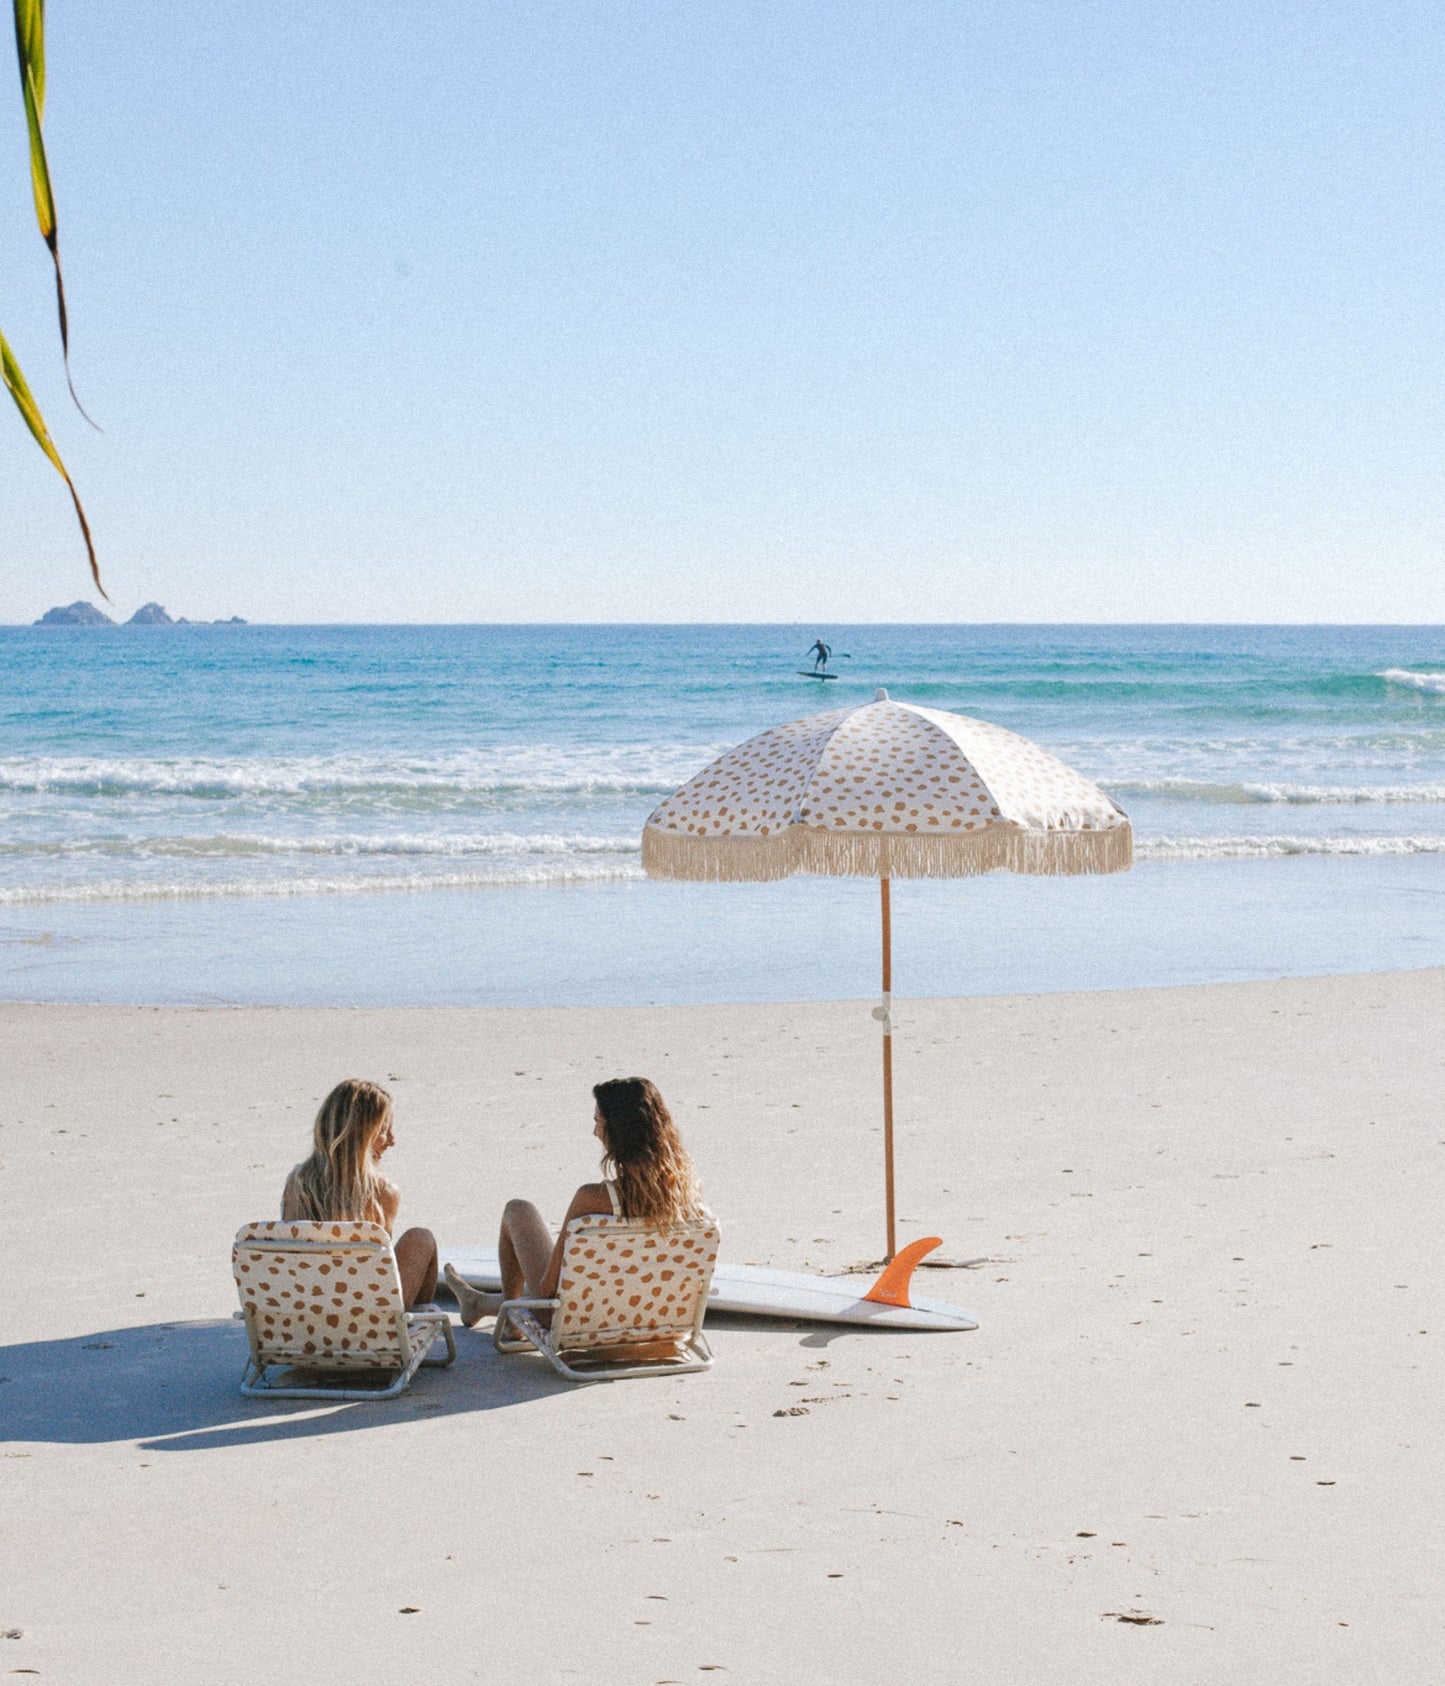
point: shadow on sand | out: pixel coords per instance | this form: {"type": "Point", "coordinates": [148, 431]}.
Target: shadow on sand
{"type": "Point", "coordinates": [175, 1387]}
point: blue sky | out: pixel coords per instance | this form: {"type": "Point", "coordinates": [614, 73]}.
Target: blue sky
{"type": "Point", "coordinates": [743, 311]}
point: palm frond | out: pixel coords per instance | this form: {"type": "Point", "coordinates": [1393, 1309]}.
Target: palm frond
{"type": "Point", "coordinates": [30, 51]}
{"type": "Point", "coordinates": [19, 390]}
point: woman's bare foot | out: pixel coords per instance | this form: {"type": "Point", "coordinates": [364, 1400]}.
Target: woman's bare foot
{"type": "Point", "coordinates": [473, 1302]}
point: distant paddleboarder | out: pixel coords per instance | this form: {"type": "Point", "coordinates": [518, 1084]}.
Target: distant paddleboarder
{"type": "Point", "coordinates": [820, 653]}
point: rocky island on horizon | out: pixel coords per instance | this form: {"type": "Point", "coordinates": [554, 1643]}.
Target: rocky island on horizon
{"type": "Point", "coordinates": [81, 613]}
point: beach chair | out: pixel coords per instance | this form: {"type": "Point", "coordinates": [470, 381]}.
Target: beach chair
{"type": "Point", "coordinates": [328, 1297]}
{"type": "Point", "coordinates": [630, 1301]}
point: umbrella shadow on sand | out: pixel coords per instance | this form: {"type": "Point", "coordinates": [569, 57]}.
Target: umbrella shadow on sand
{"type": "Point", "coordinates": [175, 1387]}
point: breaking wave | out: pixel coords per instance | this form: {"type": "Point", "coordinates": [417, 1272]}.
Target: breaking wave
{"type": "Point", "coordinates": [196, 889]}
{"type": "Point", "coordinates": [1433, 684]}
{"type": "Point", "coordinates": [1250, 793]}
{"type": "Point", "coordinates": [1266, 847]}
{"type": "Point", "coordinates": [441, 844]}
{"type": "Point", "coordinates": [627, 769]}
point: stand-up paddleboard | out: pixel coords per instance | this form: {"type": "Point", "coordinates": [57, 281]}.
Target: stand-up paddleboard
{"type": "Point", "coordinates": [759, 1292]}
{"type": "Point", "coordinates": [807, 673]}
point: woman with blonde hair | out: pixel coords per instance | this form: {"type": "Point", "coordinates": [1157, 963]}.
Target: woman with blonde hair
{"type": "Point", "coordinates": [652, 1179]}
{"type": "Point", "coordinates": [343, 1181]}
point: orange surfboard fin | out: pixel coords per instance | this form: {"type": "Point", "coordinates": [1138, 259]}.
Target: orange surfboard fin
{"type": "Point", "coordinates": [891, 1288]}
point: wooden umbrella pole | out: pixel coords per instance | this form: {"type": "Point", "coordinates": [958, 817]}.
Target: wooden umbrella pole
{"type": "Point", "coordinates": [886, 1014]}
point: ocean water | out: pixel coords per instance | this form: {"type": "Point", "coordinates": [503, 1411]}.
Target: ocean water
{"type": "Point", "coordinates": [420, 814]}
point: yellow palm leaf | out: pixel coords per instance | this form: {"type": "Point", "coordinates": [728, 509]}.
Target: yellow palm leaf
{"type": "Point", "coordinates": [30, 51]}
{"type": "Point", "coordinates": [19, 390]}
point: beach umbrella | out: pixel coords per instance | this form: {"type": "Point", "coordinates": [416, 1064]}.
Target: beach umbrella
{"type": "Point", "coordinates": [885, 790]}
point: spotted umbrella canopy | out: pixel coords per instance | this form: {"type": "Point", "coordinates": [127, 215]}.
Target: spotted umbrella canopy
{"type": "Point", "coordinates": [885, 789]}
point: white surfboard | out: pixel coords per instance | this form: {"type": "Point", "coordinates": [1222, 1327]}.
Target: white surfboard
{"type": "Point", "coordinates": [759, 1292]}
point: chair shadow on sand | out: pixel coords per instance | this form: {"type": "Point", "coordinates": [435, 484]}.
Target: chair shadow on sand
{"type": "Point", "coordinates": [175, 1387]}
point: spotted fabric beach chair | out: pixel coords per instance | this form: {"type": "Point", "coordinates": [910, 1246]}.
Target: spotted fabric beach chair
{"type": "Point", "coordinates": [328, 1297]}
{"type": "Point", "coordinates": [630, 1301]}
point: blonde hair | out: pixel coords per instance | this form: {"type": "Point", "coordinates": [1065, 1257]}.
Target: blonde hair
{"type": "Point", "coordinates": [340, 1180]}
{"type": "Point", "coordinates": [655, 1178]}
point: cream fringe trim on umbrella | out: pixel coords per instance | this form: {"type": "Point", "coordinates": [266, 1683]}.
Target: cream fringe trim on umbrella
{"type": "Point", "coordinates": [857, 854]}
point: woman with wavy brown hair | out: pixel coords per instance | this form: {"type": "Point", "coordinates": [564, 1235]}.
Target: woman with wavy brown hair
{"type": "Point", "coordinates": [343, 1181]}
{"type": "Point", "coordinates": [651, 1178]}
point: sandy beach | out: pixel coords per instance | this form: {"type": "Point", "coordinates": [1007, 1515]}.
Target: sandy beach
{"type": "Point", "coordinates": [592, 541]}
{"type": "Point", "coordinates": [1203, 1395]}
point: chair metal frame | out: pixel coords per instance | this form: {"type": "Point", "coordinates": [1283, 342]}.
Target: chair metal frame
{"type": "Point", "coordinates": [417, 1332]}
{"type": "Point", "coordinates": [520, 1315]}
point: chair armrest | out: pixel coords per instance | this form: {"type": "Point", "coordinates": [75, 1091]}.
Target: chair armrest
{"type": "Point", "coordinates": [504, 1317]}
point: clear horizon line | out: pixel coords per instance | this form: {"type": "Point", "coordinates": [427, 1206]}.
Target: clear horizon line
{"type": "Point", "coordinates": [1262, 625]}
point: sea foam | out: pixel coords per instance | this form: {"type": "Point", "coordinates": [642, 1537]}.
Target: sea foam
{"type": "Point", "coordinates": [1275, 847]}
{"type": "Point", "coordinates": [513, 876]}
{"type": "Point", "coordinates": [1431, 683]}
{"type": "Point", "coordinates": [626, 769]}
{"type": "Point", "coordinates": [1248, 793]}
{"type": "Point", "coordinates": [446, 845]}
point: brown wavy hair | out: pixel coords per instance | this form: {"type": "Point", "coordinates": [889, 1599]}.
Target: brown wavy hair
{"type": "Point", "coordinates": [340, 1181]}
{"type": "Point", "coordinates": [655, 1178]}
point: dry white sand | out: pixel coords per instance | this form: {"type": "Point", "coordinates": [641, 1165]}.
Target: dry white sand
{"type": "Point", "coordinates": [1206, 1389]}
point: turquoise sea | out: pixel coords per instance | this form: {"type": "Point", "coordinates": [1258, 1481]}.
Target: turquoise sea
{"type": "Point", "coordinates": [451, 814]}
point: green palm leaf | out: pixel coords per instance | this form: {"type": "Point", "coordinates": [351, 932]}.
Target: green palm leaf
{"type": "Point", "coordinates": [30, 51]}
{"type": "Point", "coordinates": [30, 412]}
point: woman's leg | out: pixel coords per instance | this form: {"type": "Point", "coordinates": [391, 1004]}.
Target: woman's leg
{"type": "Point", "coordinates": [416, 1262]}
{"type": "Point", "coordinates": [473, 1303]}
{"type": "Point", "coordinates": [525, 1249]}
